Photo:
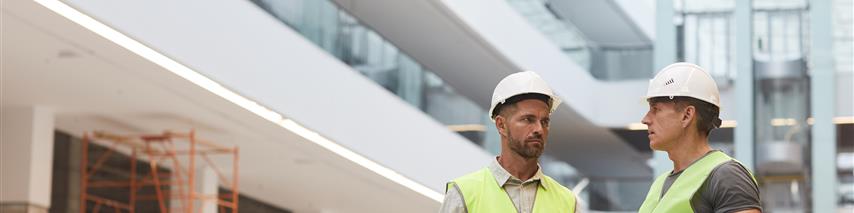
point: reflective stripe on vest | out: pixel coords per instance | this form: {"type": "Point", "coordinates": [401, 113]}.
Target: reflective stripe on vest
{"type": "Point", "coordinates": [482, 193]}
{"type": "Point", "coordinates": [678, 196]}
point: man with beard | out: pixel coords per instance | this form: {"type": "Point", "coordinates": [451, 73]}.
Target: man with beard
{"type": "Point", "coordinates": [521, 106]}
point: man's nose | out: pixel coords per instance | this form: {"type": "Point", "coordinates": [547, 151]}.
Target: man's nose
{"type": "Point", "coordinates": [646, 120]}
{"type": "Point", "coordinates": [538, 128]}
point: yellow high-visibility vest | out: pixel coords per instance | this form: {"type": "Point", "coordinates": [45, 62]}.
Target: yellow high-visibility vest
{"type": "Point", "coordinates": [678, 196]}
{"type": "Point", "coordinates": [483, 194]}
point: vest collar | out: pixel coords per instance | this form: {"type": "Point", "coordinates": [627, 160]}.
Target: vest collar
{"type": "Point", "coordinates": [672, 173]}
{"type": "Point", "coordinates": [502, 176]}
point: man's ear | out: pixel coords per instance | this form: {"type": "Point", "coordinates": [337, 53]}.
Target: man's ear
{"type": "Point", "coordinates": [500, 124]}
{"type": "Point", "coordinates": [689, 114]}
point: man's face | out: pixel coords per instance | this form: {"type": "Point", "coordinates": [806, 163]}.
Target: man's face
{"type": "Point", "coordinates": [664, 125]}
{"type": "Point", "coordinates": [527, 128]}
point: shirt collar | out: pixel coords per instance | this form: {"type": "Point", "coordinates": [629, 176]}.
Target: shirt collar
{"type": "Point", "coordinates": [502, 176]}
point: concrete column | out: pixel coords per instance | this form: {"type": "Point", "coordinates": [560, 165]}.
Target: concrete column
{"type": "Point", "coordinates": [26, 158]}
{"type": "Point", "coordinates": [824, 181]}
{"type": "Point", "coordinates": [744, 89]}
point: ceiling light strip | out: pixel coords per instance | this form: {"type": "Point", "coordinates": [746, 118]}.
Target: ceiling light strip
{"type": "Point", "coordinates": [214, 87]}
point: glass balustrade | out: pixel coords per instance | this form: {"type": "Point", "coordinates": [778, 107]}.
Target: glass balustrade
{"type": "Point", "coordinates": [341, 35]}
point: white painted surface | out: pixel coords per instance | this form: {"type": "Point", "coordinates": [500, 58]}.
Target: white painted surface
{"type": "Point", "coordinates": [96, 85]}
{"type": "Point", "coordinates": [242, 47]}
{"type": "Point", "coordinates": [26, 154]}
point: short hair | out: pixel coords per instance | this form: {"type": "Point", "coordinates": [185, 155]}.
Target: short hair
{"type": "Point", "coordinates": [511, 102]}
{"type": "Point", "coordinates": [707, 113]}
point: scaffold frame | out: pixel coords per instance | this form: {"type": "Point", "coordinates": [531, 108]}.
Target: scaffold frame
{"type": "Point", "coordinates": [158, 149]}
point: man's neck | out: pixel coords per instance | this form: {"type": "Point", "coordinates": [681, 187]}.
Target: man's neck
{"type": "Point", "coordinates": [518, 166]}
{"type": "Point", "coordinates": [688, 149]}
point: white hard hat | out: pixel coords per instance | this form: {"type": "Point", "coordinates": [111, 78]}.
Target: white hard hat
{"type": "Point", "coordinates": [521, 83]}
{"type": "Point", "coordinates": [686, 80]}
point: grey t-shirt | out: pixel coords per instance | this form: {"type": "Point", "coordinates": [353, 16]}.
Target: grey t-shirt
{"type": "Point", "coordinates": [728, 188]}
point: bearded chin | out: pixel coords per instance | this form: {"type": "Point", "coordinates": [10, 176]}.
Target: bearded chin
{"type": "Point", "coordinates": [525, 151]}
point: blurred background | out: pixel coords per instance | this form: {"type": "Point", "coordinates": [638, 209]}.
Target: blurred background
{"type": "Point", "coordinates": [372, 105]}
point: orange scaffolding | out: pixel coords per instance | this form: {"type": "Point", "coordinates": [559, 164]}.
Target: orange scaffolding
{"type": "Point", "coordinates": [156, 149]}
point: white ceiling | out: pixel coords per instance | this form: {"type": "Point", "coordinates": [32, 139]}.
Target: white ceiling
{"type": "Point", "coordinates": [94, 84]}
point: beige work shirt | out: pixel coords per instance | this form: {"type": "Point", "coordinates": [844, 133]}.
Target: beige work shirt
{"type": "Point", "coordinates": [521, 193]}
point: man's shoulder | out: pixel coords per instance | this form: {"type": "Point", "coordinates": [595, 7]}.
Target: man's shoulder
{"type": "Point", "coordinates": [730, 169]}
{"type": "Point", "coordinates": [729, 187]}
